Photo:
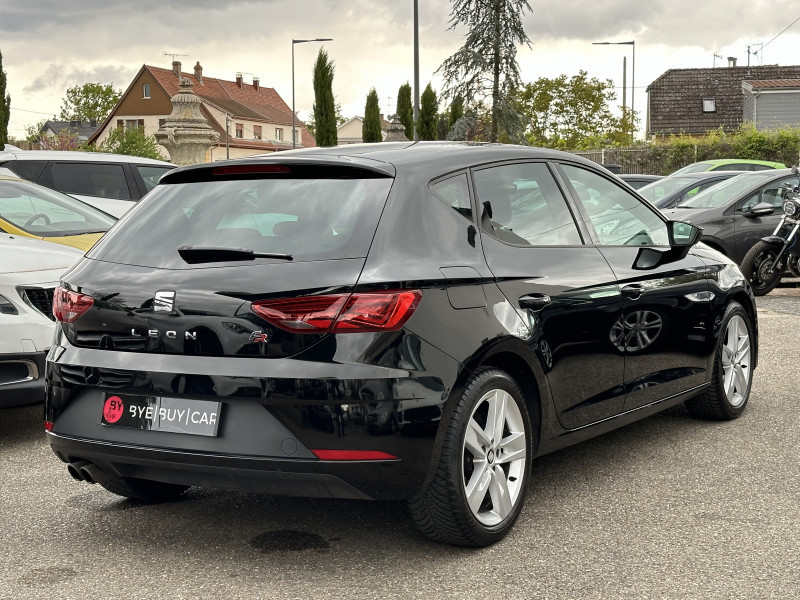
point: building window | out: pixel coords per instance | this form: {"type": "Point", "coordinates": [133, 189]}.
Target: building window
{"type": "Point", "coordinates": [256, 132]}
{"type": "Point", "coordinates": [132, 123]}
{"type": "Point", "coordinates": [161, 123]}
{"type": "Point", "coordinates": [146, 90]}
{"type": "Point", "coordinates": [279, 134]}
{"type": "Point", "coordinates": [239, 130]}
{"type": "Point", "coordinates": [709, 105]}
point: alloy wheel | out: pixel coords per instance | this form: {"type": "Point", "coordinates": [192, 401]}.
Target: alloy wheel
{"type": "Point", "coordinates": [736, 361]}
{"type": "Point", "coordinates": [495, 446]}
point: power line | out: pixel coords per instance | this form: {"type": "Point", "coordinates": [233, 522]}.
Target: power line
{"type": "Point", "coordinates": [780, 34]}
{"type": "Point", "coordinates": [30, 111]}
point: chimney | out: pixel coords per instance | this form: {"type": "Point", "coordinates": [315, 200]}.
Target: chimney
{"type": "Point", "coordinates": [239, 79]}
{"type": "Point", "coordinates": [731, 61]}
{"type": "Point", "coordinates": [198, 72]}
{"type": "Point", "coordinates": [176, 68]}
{"type": "Point", "coordinates": [255, 83]}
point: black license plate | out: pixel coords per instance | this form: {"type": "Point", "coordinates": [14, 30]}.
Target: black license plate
{"type": "Point", "coordinates": [159, 413]}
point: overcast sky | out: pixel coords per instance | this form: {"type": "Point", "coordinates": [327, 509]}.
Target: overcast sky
{"type": "Point", "coordinates": [49, 46]}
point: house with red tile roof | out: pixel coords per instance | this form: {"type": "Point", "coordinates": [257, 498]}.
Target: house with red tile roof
{"type": "Point", "coordinates": [250, 119]}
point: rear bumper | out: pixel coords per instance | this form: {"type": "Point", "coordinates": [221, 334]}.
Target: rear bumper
{"type": "Point", "coordinates": [274, 414]}
{"type": "Point", "coordinates": [21, 378]}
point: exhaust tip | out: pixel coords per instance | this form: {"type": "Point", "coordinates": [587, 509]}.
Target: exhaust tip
{"type": "Point", "coordinates": [74, 473]}
{"type": "Point", "coordinates": [74, 469]}
{"type": "Point", "coordinates": [91, 473]}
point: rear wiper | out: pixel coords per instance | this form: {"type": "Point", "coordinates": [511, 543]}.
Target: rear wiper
{"type": "Point", "coordinates": [204, 254]}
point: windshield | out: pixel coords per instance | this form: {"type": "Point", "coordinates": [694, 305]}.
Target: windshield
{"type": "Point", "coordinates": [697, 167]}
{"type": "Point", "coordinates": [663, 187]}
{"type": "Point", "coordinates": [724, 192]}
{"type": "Point", "coordinates": [308, 218]}
{"type": "Point", "coordinates": [40, 211]}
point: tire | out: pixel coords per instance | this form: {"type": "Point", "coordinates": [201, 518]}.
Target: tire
{"type": "Point", "coordinates": [732, 375]}
{"type": "Point", "coordinates": [478, 487]}
{"type": "Point", "coordinates": [758, 260]}
{"type": "Point", "coordinates": [144, 489]}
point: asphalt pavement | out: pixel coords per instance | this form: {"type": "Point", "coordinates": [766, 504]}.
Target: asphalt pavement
{"type": "Point", "coordinates": [670, 507]}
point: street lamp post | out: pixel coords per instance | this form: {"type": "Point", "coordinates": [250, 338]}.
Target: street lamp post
{"type": "Point", "coordinates": [632, 44]}
{"type": "Point", "coordinates": [294, 137]}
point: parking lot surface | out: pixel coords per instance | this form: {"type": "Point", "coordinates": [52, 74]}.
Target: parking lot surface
{"type": "Point", "coordinates": [669, 507]}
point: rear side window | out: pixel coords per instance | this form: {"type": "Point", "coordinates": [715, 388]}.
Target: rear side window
{"type": "Point", "coordinates": [151, 175]}
{"type": "Point", "coordinates": [527, 207]}
{"type": "Point", "coordinates": [91, 179]}
{"type": "Point", "coordinates": [309, 218]}
{"type": "Point", "coordinates": [454, 191]}
{"type": "Point", "coordinates": [27, 169]}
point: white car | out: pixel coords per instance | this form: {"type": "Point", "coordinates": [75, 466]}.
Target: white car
{"type": "Point", "coordinates": [111, 182]}
{"type": "Point", "coordinates": [29, 271]}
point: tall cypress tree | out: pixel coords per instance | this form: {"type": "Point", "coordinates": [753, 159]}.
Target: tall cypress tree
{"type": "Point", "coordinates": [5, 106]}
{"type": "Point", "coordinates": [371, 128]}
{"type": "Point", "coordinates": [488, 60]}
{"type": "Point", "coordinates": [324, 104]}
{"type": "Point", "coordinates": [456, 109]}
{"type": "Point", "coordinates": [428, 108]}
{"type": "Point", "coordinates": [405, 110]}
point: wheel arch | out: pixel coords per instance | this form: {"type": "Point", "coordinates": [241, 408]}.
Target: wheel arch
{"type": "Point", "coordinates": [515, 357]}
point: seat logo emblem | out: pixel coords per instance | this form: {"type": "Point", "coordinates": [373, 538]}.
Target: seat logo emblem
{"type": "Point", "coordinates": [164, 301]}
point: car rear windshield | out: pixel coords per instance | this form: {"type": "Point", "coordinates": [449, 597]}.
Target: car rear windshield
{"type": "Point", "coordinates": [308, 218]}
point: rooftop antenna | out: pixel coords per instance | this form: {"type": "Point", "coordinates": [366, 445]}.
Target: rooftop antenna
{"type": "Point", "coordinates": [756, 53]}
{"type": "Point", "coordinates": [717, 56]}
{"type": "Point", "coordinates": [173, 55]}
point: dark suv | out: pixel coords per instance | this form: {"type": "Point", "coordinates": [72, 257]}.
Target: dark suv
{"type": "Point", "coordinates": [503, 301]}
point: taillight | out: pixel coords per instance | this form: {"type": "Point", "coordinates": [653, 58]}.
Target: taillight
{"type": "Point", "coordinates": [68, 305]}
{"type": "Point", "coordinates": [341, 313]}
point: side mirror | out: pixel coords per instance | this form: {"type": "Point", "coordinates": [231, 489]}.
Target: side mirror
{"type": "Point", "coordinates": [683, 235]}
{"type": "Point", "coordinates": [761, 209]}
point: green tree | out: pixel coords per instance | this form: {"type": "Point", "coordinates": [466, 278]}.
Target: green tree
{"type": "Point", "coordinates": [371, 127]}
{"type": "Point", "coordinates": [5, 106]}
{"type": "Point", "coordinates": [485, 67]}
{"type": "Point", "coordinates": [571, 113]}
{"type": "Point", "coordinates": [33, 131]}
{"type": "Point", "coordinates": [428, 109]}
{"type": "Point", "coordinates": [442, 126]}
{"type": "Point", "coordinates": [456, 110]}
{"type": "Point", "coordinates": [89, 102]}
{"type": "Point", "coordinates": [324, 103]}
{"type": "Point", "coordinates": [131, 141]}
{"type": "Point", "coordinates": [405, 110]}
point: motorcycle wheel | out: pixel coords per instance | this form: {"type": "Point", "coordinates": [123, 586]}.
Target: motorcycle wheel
{"type": "Point", "coordinates": [760, 270]}
{"type": "Point", "coordinates": [794, 267]}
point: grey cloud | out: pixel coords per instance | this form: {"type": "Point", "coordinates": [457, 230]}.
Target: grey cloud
{"type": "Point", "coordinates": [60, 77]}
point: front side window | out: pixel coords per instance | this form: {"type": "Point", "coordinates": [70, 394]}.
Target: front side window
{"type": "Point", "coordinates": [526, 206]}
{"type": "Point", "coordinates": [91, 179]}
{"type": "Point", "coordinates": [619, 218]}
{"type": "Point", "coordinates": [43, 212]}
{"type": "Point", "coordinates": [454, 192]}
{"type": "Point", "coordinates": [771, 194]}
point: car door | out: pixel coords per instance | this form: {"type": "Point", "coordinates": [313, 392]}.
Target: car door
{"type": "Point", "coordinates": [663, 329]}
{"type": "Point", "coordinates": [561, 287]}
{"type": "Point", "coordinates": [749, 229]}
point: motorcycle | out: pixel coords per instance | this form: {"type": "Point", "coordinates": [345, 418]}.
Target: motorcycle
{"type": "Point", "coordinates": [766, 263]}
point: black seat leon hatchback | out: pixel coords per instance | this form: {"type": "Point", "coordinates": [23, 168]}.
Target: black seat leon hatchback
{"type": "Point", "coordinates": [386, 321]}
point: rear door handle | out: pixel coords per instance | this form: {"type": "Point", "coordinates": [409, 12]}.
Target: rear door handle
{"type": "Point", "coordinates": [534, 301]}
{"type": "Point", "coordinates": [633, 291]}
